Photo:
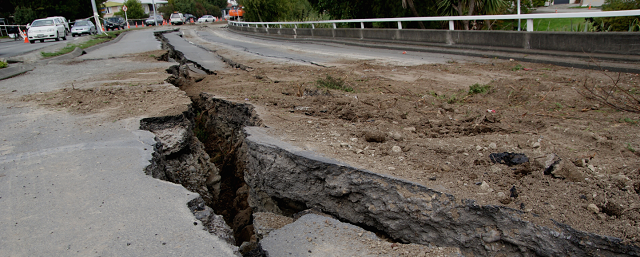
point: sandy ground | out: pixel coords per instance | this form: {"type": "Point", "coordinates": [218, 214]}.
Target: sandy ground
{"type": "Point", "coordinates": [422, 123]}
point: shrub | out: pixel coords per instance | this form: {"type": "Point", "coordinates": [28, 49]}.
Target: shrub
{"type": "Point", "coordinates": [333, 83]}
{"type": "Point", "coordinates": [618, 23]}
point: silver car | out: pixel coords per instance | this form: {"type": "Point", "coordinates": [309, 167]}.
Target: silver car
{"type": "Point", "coordinates": [83, 27]}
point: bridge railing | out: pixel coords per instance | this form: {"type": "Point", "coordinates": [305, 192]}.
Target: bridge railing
{"type": "Point", "coordinates": [450, 19]}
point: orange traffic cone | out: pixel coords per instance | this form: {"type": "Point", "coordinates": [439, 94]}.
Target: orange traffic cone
{"type": "Point", "coordinates": [24, 35]}
{"type": "Point", "coordinates": [589, 6]}
{"type": "Point", "coordinates": [136, 25]}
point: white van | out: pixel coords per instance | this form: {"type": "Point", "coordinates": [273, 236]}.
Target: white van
{"type": "Point", "coordinates": [64, 21]}
{"type": "Point", "coordinates": [177, 18]}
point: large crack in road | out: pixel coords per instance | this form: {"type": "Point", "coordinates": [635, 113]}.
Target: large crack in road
{"type": "Point", "coordinates": [219, 150]}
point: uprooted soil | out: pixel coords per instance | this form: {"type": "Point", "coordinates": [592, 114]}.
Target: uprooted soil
{"type": "Point", "coordinates": [422, 124]}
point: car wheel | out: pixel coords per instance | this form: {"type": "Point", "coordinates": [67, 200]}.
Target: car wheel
{"type": "Point", "coordinates": [41, 40]}
{"type": "Point", "coordinates": [57, 36]}
{"type": "Point", "coordinates": [32, 41]}
{"type": "Point", "coordinates": [73, 35]}
{"type": "Point", "coordinates": [64, 37]}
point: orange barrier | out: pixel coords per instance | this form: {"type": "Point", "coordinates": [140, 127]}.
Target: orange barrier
{"type": "Point", "coordinates": [24, 35]}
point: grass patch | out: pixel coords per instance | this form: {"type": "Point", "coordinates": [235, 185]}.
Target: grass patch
{"type": "Point", "coordinates": [478, 89]}
{"type": "Point", "coordinates": [3, 64]}
{"type": "Point", "coordinates": [630, 148]}
{"type": "Point", "coordinates": [559, 24]}
{"type": "Point", "coordinates": [333, 83]}
{"type": "Point", "coordinates": [629, 120]}
{"type": "Point", "coordinates": [517, 67]}
{"type": "Point", "coordinates": [97, 39]}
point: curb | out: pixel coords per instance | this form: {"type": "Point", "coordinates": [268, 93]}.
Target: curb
{"type": "Point", "coordinates": [10, 72]}
{"type": "Point", "coordinates": [95, 47]}
{"type": "Point", "coordinates": [73, 54]}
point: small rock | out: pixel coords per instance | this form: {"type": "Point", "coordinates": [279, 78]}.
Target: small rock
{"type": "Point", "coordinates": [375, 136]}
{"type": "Point", "coordinates": [484, 186]}
{"type": "Point", "coordinates": [359, 151]}
{"type": "Point", "coordinates": [410, 129]}
{"type": "Point", "coordinates": [495, 169]}
{"type": "Point", "coordinates": [493, 146]}
{"type": "Point", "coordinates": [391, 168]}
{"type": "Point", "coordinates": [396, 149]}
{"type": "Point", "coordinates": [344, 145]}
{"type": "Point", "coordinates": [445, 168]}
{"type": "Point", "coordinates": [535, 145]}
{"type": "Point", "coordinates": [355, 139]}
{"type": "Point", "coordinates": [591, 168]}
{"type": "Point", "coordinates": [593, 208]}
{"type": "Point", "coordinates": [501, 195]}
{"type": "Point", "coordinates": [478, 148]}
{"type": "Point", "coordinates": [396, 136]}
{"type": "Point", "coordinates": [514, 192]}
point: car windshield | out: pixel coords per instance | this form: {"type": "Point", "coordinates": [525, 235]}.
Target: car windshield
{"type": "Point", "coordinates": [42, 23]}
{"type": "Point", "coordinates": [112, 19]}
{"type": "Point", "coordinates": [175, 15]}
{"type": "Point", "coordinates": [81, 23]}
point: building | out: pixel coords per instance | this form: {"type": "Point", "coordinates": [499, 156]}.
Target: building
{"type": "Point", "coordinates": [114, 6]}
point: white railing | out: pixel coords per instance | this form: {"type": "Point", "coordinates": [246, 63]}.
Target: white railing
{"type": "Point", "coordinates": [451, 19]}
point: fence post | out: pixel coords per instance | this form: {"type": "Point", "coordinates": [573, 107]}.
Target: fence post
{"type": "Point", "coordinates": [334, 25]}
{"type": "Point", "coordinates": [451, 27]}
{"type": "Point", "coordinates": [280, 25]}
{"type": "Point", "coordinates": [313, 26]}
{"type": "Point", "coordinates": [529, 24]}
{"type": "Point", "coordinates": [362, 25]}
{"type": "Point", "coordinates": [399, 25]}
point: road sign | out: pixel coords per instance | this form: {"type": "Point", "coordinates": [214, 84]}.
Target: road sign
{"type": "Point", "coordinates": [124, 8]}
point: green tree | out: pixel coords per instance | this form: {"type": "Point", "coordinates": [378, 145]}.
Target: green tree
{"type": "Point", "coordinates": [70, 9]}
{"type": "Point", "coordinates": [134, 10]}
{"type": "Point", "coordinates": [618, 23]}
{"type": "Point", "coordinates": [364, 9]}
{"type": "Point", "coordinates": [470, 7]}
{"type": "Point", "coordinates": [24, 15]}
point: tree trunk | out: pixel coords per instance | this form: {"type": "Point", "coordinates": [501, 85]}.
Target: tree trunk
{"type": "Point", "coordinates": [415, 12]}
{"type": "Point", "coordinates": [472, 5]}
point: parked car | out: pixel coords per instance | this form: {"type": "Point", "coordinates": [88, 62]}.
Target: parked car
{"type": "Point", "coordinates": [189, 18]}
{"type": "Point", "coordinates": [151, 21]}
{"type": "Point", "coordinates": [81, 27]}
{"type": "Point", "coordinates": [177, 18]}
{"type": "Point", "coordinates": [48, 28]}
{"type": "Point", "coordinates": [64, 21]}
{"type": "Point", "coordinates": [114, 23]}
{"type": "Point", "coordinates": [207, 18]}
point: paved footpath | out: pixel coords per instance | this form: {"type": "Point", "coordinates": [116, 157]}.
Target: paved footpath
{"type": "Point", "coordinates": [72, 187]}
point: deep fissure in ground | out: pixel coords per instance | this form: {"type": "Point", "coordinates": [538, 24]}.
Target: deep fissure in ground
{"type": "Point", "coordinates": [352, 195]}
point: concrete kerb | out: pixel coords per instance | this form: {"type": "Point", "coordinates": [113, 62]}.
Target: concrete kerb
{"type": "Point", "coordinates": [13, 71]}
{"type": "Point", "coordinates": [478, 51]}
{"type": "Point", "coordinates": [118, 38]}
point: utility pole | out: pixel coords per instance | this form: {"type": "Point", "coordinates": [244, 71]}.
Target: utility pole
{"type": "Point", "coordinates": [96, 16]}
{"type": "Point", "coordinates": [154, 12]}
{"type": "Point", "coordinates": [518, 15]}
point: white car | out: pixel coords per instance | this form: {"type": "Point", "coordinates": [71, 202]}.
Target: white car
{"type": "Point", "coordinates": [206, 18]}
{"type": "Point", "coordinates": [177, 18]}
{"type": "Point", "coordinates": [49, 28]}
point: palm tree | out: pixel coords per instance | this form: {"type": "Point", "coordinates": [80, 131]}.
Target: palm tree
{"type": "Point", "coordinates": [460, 7]}
{"type": "Point", "coordinates": [413, 9]}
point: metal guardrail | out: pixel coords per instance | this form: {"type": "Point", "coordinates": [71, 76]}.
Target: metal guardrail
{"type": "Point", "coordinates": [452, 19]}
